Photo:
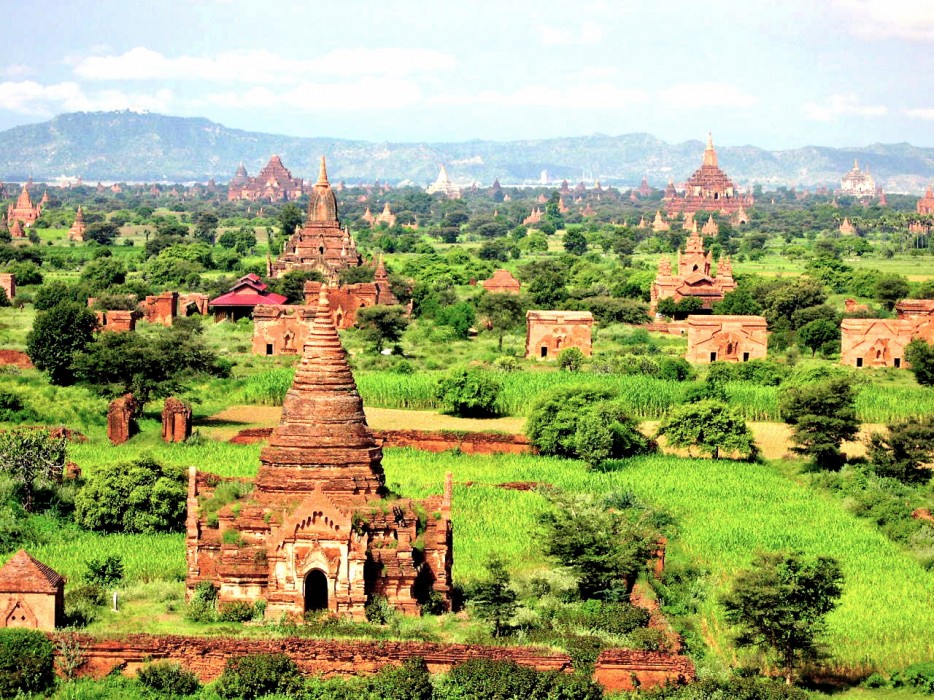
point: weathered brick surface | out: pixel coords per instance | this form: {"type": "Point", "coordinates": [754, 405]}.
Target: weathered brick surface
{"type": "Point", "coordinates": [15, 358]}
{"type": "Point", "coordinates": [726, 339]}
{"type": "Point", "coordinates": [623, 669]}
{"type": "Point", "coordinates": [550, 332]}
{"type": "Point", "coordinates": [176, 420]}
{"type": "Point", "coordinates": [121, 416]}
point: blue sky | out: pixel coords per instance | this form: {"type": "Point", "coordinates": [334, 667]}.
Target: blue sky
{"type": "Point", "coordinates": [772, 74]}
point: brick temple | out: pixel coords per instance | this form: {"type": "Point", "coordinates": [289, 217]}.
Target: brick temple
{"type": "Point", "coordinates": [858, 183]}
{"type": "Point", "coordinates": [443, 185]}
{"type": "Point", "coordinates": [708, 189]}
{"type": "Point", "coordinates": [321, 243]}
{"type": "Point", "coordinates": [23, 210]}
{"type": "Point", "coordinates": [694, 277]}
{"type": "Point", "coordinates": [925, 205]}
{"type": "Point", "coordinates": [76, 232]}
{"type": "Point", "coordinates": [726, 339]}
{"type": "Point", "coordinates": [549, 332]}
{"type": "Point", "coordinates": [881, 342]}
{"type": "Point", "coordinates": [274, 183]}
{"type": "Point", "coordinates": [318, 531]}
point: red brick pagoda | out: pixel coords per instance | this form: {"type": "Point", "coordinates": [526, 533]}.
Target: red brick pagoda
{"type": "Point", "coordinates": [274, 183]}
{"type": "Point", "coordinates": [321, 244]}
{"type": "Point", "coordinates": [708, 189]}
{"type": "Point", "coordinates": [694, 277]}
{"type": "Point", "coordinates": [23, 211]}
{"type": "Point", "coordinates": [318, 532]}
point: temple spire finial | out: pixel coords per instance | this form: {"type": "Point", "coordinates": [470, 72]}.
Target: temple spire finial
{"type": "Point", "coordinates": [323, 173]}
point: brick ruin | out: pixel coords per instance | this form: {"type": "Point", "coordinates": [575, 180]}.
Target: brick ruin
{"type": "Point", "coordinates": [616, 669]}
{"type": "Point", "coordinates": [176, 420]}
{"type": "Point", "coordinates": [502, 282]}
{"type": "Point", "coordinates": [694, 277]}
{"type": "Point", "coordinates": [281, 330]}
{"type": "Point", "coordinates": [321, 244]}
{"type": "Point", "coordinates": [274, 183]}
{"type": "Point", "coordinates": [164, 308]}
{"type": "Point", "coordinates": [8, 284]}
{"type": "Point", "coordinates": [32, 595]}
{"type": "Point", "coordinates": [550, 332]}
{"type": "Point", "coordinates": [121, 419]}
{"type": "Point", "coordinates": [925, 206]}
{"type": "Point", "coordinates": [708, 189]}
{"type": "Point", "coordinates": [117, 321]}
{"type": "Point", "coordinates": [76, 232]}
{"type": "Point", "coordinates": [726, 339]}
{"type": "Point", "coordinates": [317, 532]}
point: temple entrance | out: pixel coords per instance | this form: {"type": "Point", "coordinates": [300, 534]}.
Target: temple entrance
{"type": "Point", "coordinates": [316, 590]}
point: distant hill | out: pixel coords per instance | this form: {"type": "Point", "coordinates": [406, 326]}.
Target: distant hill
{"type": "Point", "coordinates": [128, 146]}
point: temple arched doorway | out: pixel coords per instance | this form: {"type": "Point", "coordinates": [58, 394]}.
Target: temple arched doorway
{"type": "Point", "coordinates": [316, 590]}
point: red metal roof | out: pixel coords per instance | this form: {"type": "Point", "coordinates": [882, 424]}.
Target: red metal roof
{"type": "Point", "coordinates": [235, 299]}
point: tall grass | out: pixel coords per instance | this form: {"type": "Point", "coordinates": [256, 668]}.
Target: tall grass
{"type": "Point", "coordinates": [644, 397]}
{"type": "Point", "coordinates": [725, 512]}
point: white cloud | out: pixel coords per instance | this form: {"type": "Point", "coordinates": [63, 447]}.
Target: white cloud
{"type": "Point", "coordinates": [912, 20]}
{"type": "Point", "coordinates": [707, 94]}
{"type": "Point", "coordinates": [366, 93]}
{"type": "Point", "coordinates": [595, 96]}
{"type": "Point", "coordinates": [29, 97]}
{"type": "Point", "coordinates": [588, 33]}
{"type": "Point", "coordinates": [921, 113]}
{"type": "Point", "coordinates": [261, 66]}
{"type": "Point", "coordinates": [16, 70]}
{"type": "Point", "coordinates": [840, 105]}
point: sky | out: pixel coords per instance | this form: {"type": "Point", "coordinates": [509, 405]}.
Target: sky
{"type": "Point", "coordinates": [760, 72]}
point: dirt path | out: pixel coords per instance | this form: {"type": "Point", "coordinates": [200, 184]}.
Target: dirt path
{"type": "Point", "coordinates": [772, 438]}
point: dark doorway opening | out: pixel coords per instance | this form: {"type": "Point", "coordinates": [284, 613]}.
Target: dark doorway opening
{"type": "Point", "coordinates": [316, 590]}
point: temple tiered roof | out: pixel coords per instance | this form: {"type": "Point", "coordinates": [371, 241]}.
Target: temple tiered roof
{"type": "Point", "coordinates": [926, 203]}
{"type": "Point", "coordinates": [708, 189]}
{"type": "Point", "coordinates": [274, 183]}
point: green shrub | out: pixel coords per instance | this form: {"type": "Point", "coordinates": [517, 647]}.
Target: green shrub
{"type": "Point", "coordinates": [410, 681]}
{"type": "Point", "coordinates": [918, 676]}
{"type": "Point", "coordinates": [255, 675]}
{"type": "Point", "coordinates": [379, 610]}
{"type": "Point", "coordinates": [235, 611]}
{"type": "Point", "coordinates": [571, 359]}
{"type": "Point", "coordinates": [26, 662]}
{"type": "Point", "coordinates": [599, 616]}
{"type": "Point", "coordinates": [106, 571]}
{"type": "Point", "coordinates": [82, 603]}
{"type": "Point", "coordinates": [469, 393]}
{"type": "Point", "coordinates": [168, 678]}
{"type": "Point", "coordinates": [483, 679]}
{"type": "Point", "coordinates": [648, 639]}
{"type": "Point", "coordinates": [203, 604]}
{"type": "Point", "coordinates": [735, 688]}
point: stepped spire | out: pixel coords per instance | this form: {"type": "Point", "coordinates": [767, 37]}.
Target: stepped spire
{"type": "Point", "coordinates": [323, 173]}
{"type": "Point", "coordinates": [710, 154]}
{"type": "Point", "coordinates": [323, 439]}
{"type": "Point", "coordinates": [322, 206]}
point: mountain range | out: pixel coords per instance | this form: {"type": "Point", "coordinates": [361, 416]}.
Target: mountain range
{"type": "Point", "coordinates": [144, 147]}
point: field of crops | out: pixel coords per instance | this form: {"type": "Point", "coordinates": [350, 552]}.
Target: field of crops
{"type": "Point", "coordinates": [645, 397]}
{"type": "Point", "coordinates": [725, 512]}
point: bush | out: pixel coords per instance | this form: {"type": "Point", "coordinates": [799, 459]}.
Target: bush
{"type": "Point", "coordinates": [379, 610]}
{"type": "Point", "coordinates": [107, 571]}
{"type": "Point", "coordinates": [82, 603]}
{"type": "Point", "coordinates": [918, 676]}
{"type": "Point", "coordinates": [410, 681]}
{"type": "Point", "coordinates": [203, 603]}
{"type": "Point", "coordinates": [235, 611]}
{"type": "Point", "coordinates": [140, 496]}
{"type": "Point", "coordinates": [483, 679]}
{"type": "Point", "coordinates": [560, 415]}
{"type": "Point", "coordinates": [600, 616]}
{"type": "Point", "coordinates": [168, 678]}
{"type": "Point", "coordinates": [469, 393]}
{"type": "Point", "coordinates": [26, 662]}
{"type": "Point", "coordinates": [736, 688]}
{"type": "Point", "coordinates": [255, 675]}
{"type": "Point", "coordinates": [571, 359]}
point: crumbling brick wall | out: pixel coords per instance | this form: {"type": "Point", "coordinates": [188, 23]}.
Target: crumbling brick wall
{"type": "Point", "coordinates": [121, 419]}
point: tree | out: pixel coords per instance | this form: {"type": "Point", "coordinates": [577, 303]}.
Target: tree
{"type": "Point", "coordinates": [570, 419]}
{"type": "Point", "coordinates": [920, 355]}
{"type": "Point", "coordinates": [818, 333]}
{"type": "Point", "coordinates": [148, 366]}
{"type": "Point", "coordinates": [139, 496]}
{"type": "Point", "coordinates": [493, 600]}
{"type": "Point", "coordinates": [822, 416]}
{"type": "Point", "coordinates": [681, 309]}
{"type": "Point", "coordinates": [780, 605]}
{"type": "Point", "coordinates": [546, 283]}
{"type": "Point", "coordinates": [571, 359]}
{"type": "Point", "coordinates": [33, 459]}
{"type": "Point", "coordinates": [290, 217]}
{"type": "Point", "coordinates": [292, 284]}
{"type": "Point", "coordinates": [53, 293]}
{"type": "Point", "coordinates": [905, 452]}
{"type": "Point", "coordinates": [206, 227]}
{"type": "Point", "coordinates": [738, 303]}
{"type": "Point", "coordinates": [575, 242]}
{"type": "Point", "coordinates": [605, 547]}
{"type": "Point", "coordinates": [889, 288]}
{"type": "Point", "coordinates": [502, 313]}
{"type": "Point", "coordinates": [469, 393]}
{"type": "Point", "coordinates": [102, 232]}
{"type": "Point", "coordinates": [709, 425]}
{"type": "Point", "coordinates": [381, 324]}
{"type": "Point", "coordinates": [57, 335]}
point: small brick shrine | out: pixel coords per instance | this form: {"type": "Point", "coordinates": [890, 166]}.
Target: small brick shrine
{"type": "Point", "coordinates": [550, 332]}
{"type": "Point", "coordinates": [726, 339]}
{"type": "Point", "coordinates": [317, 532]}
{"type": "Point", "coordinates": [694, 277]}
{"type": "Point", "coordinates": [32, 595]}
